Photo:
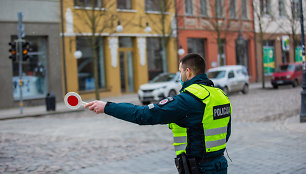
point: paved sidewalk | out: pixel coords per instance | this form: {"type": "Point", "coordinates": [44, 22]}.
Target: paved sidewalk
{"type": "Point", "coordinates": [36, 111]}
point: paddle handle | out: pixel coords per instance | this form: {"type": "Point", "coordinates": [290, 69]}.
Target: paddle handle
{"type": "Point", "coordinates": [84, 103]}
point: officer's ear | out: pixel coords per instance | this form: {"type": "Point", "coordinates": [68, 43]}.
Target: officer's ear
{"type": "Point", "coordinates": [188, 73]}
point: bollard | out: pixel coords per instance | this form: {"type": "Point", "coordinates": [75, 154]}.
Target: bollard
{"type": "Point", "coordinates": [50, 102]}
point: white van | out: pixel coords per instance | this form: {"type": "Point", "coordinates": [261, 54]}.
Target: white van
{"type": "Point", "coordinates": [231, 78]}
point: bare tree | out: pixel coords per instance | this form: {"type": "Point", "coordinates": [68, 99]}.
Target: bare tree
{"type": "Point", "coordinates": [97, 18]}
{"type": "Point", "coordinates": [294, 18]}
{"type": "Point", "coordinates": [162, 24]}
{"type": "Point", "coordinates": [263, 18]}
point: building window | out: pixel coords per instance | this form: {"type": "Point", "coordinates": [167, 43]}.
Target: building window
{"type": "Point", "coordinates": [124, 4]}
{"type": "Point", "coordinates": [88, 3]}
{"type": "Point", "coordinates": [203, 10]}
{"type": "Point", "coordinates": [155, 61]}
{"type": "Point", "coordinates": [156, 5]}
{"type": "Point", "coordinates": [265, 7]}
{"type": "Point", "coordinates": [295, 7]}
{"type": "Point", "coordinates": [188, 7]}
{"type": "Point", "coordinates": [232, 9]}
{"type": "Point", "coordinates": [221, 53]}
{"type": "Point", "coordinates": [219, 8]}
{"type": "Point", "coordinates": [34, 70]}
{"type": "Point", "coordinates": [281, 8]}
{"type": "Point", "coordinates": [244, 9]}
{"type": "Point", "coordinates": [196, 46]}
{"type": "Point", "coordinates": [86, 64]}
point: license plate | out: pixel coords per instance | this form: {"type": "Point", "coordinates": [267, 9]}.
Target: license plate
{"type": "Point", "coordinates": [280, 82]}
{"type": "Point", "coordinates": [148, 94]}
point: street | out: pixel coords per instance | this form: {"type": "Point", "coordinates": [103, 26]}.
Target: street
{"type": "Point", "coordinates": [266, 138]}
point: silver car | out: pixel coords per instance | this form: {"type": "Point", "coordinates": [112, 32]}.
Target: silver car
{"type": "Point", "coordinates": [162, 86]}
{"type": "Point", "coordinates": [231, 78]}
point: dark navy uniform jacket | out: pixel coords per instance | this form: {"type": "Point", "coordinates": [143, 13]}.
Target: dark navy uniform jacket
{"type": "Point", "coordinates": [183, 109]}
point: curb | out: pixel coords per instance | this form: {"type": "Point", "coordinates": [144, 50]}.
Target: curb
{"type": "Point", "coordinates": [280, 116]}
{"type": "Point", "coordinates": [19, 116]}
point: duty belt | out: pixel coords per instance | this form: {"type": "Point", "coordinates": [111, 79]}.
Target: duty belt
{"type": "Point", "coordinates": [205, 160]}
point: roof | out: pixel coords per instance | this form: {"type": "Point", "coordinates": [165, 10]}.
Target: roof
{"type": "Point", "coordinates": [226, 67]}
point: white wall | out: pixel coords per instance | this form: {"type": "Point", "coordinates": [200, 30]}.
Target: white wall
{"type": "Point", "coordinates": [34, 10]}
{"type": "Point", "coordinates": [277, 24]}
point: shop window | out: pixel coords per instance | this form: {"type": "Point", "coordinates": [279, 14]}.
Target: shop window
{"type": "Point", "coordinates": [86, 64]}
{"type": "Point", "coordinates": [154, 54]}
{"type": "Point", "coordinates": [124, 4]}
{"type": "Point", "coordinates": [196, 46]}
{"type": "Point", "coordinates": [34, 70]}
{"type": "Point", "coordinates": [221, 53]}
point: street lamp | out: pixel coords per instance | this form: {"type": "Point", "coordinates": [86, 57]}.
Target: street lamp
{"type": "Point", "coordinates": [78, 54]}
{"type": "Point", "coordinates": [148, 28]}
{"type": "Point", "coordinates": [119, 27]}
{"type": "Point", "coordinates": [181, 51]}
{"type": "Point", "coordinates": [303, 93]}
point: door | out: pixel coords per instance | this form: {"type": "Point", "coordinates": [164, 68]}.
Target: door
{"type": "Point", "coordinates": [232, 81]}
{"type": "Point", "coordinates": [126, 70]}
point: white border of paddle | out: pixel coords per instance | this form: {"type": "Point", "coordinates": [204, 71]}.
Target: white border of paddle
{"type": "Point", "coordinates": [80, 102]}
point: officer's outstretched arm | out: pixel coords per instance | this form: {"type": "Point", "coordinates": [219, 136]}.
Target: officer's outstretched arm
{"type": "Point", "coordinates": [169, 110]}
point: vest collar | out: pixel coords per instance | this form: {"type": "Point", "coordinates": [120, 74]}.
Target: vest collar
{"type": "Point", "coordinates": [201, 78]}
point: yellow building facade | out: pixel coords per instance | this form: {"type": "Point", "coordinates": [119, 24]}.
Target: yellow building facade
{"type": "Point", "coordinates": [127, 38]}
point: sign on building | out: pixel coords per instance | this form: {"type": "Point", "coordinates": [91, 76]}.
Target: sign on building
{"type": "Point", "coordinates": [285, 43]}
{"type": "Point", "coordinates": [269, 63]}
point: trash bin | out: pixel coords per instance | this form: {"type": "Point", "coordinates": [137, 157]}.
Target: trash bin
{"type": "Point", "coordinates": [50, 102]}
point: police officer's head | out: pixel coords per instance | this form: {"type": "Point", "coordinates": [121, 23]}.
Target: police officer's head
{"type": "Point", "coordinates": [191, 65]}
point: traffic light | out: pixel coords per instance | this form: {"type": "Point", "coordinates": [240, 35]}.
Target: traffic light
{"type": "Point", "coordinates": [25, 50]}
{"type": "Point", "coordinates": [12, 50]}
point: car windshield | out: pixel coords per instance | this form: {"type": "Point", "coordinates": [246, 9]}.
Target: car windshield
{"type": "Point", "coordinates": [163, 78]}
{"type": "Point", "coordinates": [216, 74]}
{"type": "Point", "coordinates": [285, 68]}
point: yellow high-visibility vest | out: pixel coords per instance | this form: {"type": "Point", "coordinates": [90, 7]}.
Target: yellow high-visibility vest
{"type": "Point", "coordinates": [216, 117]}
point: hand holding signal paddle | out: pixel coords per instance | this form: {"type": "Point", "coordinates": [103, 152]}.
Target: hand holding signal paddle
{"type": "Point", "coordinates": [73, 100]}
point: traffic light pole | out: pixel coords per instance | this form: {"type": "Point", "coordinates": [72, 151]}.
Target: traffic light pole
{"type": "Point", "coordinates": [303, 93]}
{"type": "Point", "coordinates": [19, 48]}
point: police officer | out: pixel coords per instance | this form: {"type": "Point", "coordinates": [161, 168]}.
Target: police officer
{"type": "Point", "coordinates": [200, 118]}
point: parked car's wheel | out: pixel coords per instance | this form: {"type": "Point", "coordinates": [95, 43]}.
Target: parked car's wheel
{"type": "Point", "coordinates": [245, 89]}
{"type": "Point", "coordinates": [172, 93]}
{"type": "Point", "coordinates": [275, 86]}
{"type": "Point", "coordinates": [145, 102]}
{"type": "Point", "coordinates": [295, 83]}
{"type": "Point", "coordinates": [225, 90]}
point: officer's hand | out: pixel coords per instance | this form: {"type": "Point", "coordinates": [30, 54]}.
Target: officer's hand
{"type": "Point", "coordinates": [96, 106]}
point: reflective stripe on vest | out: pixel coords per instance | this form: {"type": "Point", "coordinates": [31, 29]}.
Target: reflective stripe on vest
{"type": "Point", "coordinates": [216, 115]}
{"type": "Point", "coordinates": [220, 130]}
{"type": "Point", "coordinates": [181, 147]}
{"type": "Point", "coordinates": [179, 137]}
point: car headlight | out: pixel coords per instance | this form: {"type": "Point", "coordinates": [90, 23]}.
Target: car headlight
{"type": "Point", "coordinates": [163, 87]}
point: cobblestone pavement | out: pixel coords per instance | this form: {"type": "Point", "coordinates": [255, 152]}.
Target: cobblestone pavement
{"type": "Point", "coordinates": [264, 140]}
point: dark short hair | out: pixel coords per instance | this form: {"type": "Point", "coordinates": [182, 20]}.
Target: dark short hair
{"type": "Point", "coordinates": [195, 62]}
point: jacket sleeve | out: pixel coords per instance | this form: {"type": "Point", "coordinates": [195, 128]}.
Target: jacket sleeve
{"type": "Point", "coordinates": [170, 112]}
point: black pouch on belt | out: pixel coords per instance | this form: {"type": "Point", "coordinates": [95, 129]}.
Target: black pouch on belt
{"type": "Point", "coordinates": [181, 163]}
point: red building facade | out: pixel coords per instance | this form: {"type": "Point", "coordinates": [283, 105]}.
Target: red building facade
{"type": "Point", "coordinates": [220, 30]}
